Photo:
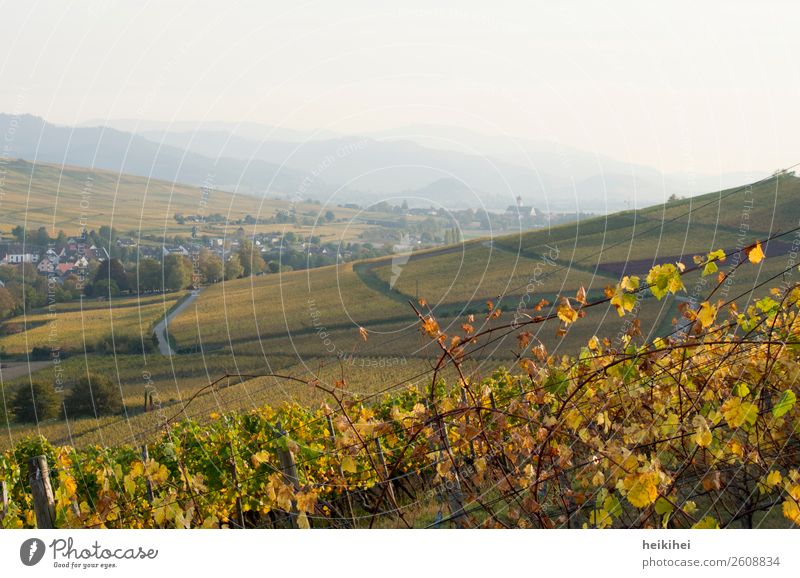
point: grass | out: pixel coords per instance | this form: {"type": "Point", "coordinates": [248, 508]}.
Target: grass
{"type": "Point", "coordinates": [175, 400]}
{"type": "Point", "coordinates": [477, 273]}
{"type": "Point", "coordinates": [300, 313]}
{"type": "Point", "coordinates": [70, 326]}
{"type": "Point", "coordinates": [304, 322]}
{"type": "Point", "coordinates": [64, 198]}
{"type": "Point", "coordinates": [302, 302]}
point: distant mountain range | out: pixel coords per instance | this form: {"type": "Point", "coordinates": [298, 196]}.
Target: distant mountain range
{"type": "Point", "coordinates": [33, 139]}
{"type": "Point", "coordinates": [429, 164]}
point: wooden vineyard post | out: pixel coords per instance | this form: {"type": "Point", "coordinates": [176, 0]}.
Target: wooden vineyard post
{"type": "Point", "coordinates": [502, 457]}
{"type": "Point", "coordinates": [43, 503]}
{"type": "Point", "coordinates": [466, 420]}
{"type": "Point", "coordinates": [289, 470]}
{"type": "Point", "coordinates": [239, 512]}
{"type": "Point", "coordinates": [145, 459]}
{"type": "Point", "coordinates": [148, 400]}
{"type": "Point", "coordinates": [3, 500]}
{"type": "Point", "coordinates": [341, 473]}
{"type": "Point", "coordinates": [527, 405]}
{"type": "Point", "coordinates": [455, 497]}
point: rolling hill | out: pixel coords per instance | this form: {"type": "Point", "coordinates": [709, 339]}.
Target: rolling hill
{"type": "Point", "coordinates": [305, 313]}
{"type": "Point", "coordinates": [307, 323]}
{"type": "Point", "coordinates": [65, 197]}
{"type": "Point", "coordinates": [106, 148]}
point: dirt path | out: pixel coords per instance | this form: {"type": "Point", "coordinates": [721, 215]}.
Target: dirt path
{"type": "Point", "coordinates": [162, 329]}
{"type": "Point", "coordinates": [13, 369]}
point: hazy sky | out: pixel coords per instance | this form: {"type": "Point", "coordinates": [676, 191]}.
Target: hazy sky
{"type": "Point", "coordinates": [696, 86]}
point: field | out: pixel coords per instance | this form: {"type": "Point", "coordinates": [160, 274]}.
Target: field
{"type": "Point", "coordinates": [459, 280]}
{"type": "Point", "coordinates": [66, 198]}
{"type": "Point", "coordinates": [177, 384]}
{"type": "Point", "coordinates": [72, 326]}
{"type": "Point", "coordinates": [308, 322]}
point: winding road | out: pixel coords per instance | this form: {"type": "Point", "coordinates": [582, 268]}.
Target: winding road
{"type": "Point", "coordinates": [162, 329]}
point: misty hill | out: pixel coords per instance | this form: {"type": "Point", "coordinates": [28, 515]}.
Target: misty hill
{"type": "Point", "coordinates": [372, 169]}
{"type": "Point", "coordinates": [587, 171]}
{"type": "Point", "coordinates": [423, 162]}
{"type": "Point", "coordinates": [111, 149]}
{"type": "Point", "coordinates": [493, 170]}
{"type": "Point", "coordinates": [244, 129]}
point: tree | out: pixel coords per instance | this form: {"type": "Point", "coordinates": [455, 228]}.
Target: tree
{"type": "Point", "coordinates": [72, 284]}
{"type": "Point", "coordinates": [211, 267]}
{"type": "Point", "coordinates": [250, 258]}
{"type": "Point", "coordinates": [149, 275]}
{"type": "Point", "coordinates": [105, 288]}
{"type": "Point", "coordinates": [483, 217]}
{"type": "Point", "coordinates": [112, 270]}
{"type": "Point", "coordinates": [7, 303]}
{"type": "Point", "coordinates": [35, 402]}
{"type": "Point", "coordinates": [177, 272]}
{"type": "Point", "coordinates": [329, 216]}
{"type": "Point", "coordinates": [42, 238]}
{"type": "Point", "coordinates": [107, 236]}
{"type": "Point", "coordinates": [233, 267]}
{"type": "Point", "coordinates": [93, 395]}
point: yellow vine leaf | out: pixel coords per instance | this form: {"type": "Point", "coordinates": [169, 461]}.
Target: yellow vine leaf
{"type": "Point", "coordinates": [718, 255]}
{"type": "Point", "coordinates": [706, 314]}
{"type": "Point", "coordinates": [566, 313]}
{"type": "Point", "coordinates": [703, 435]}
{"type": "Point", "coordinates": [755, 254]}
{"type": "Point", "coordinates": [349, 465]}
{"type": "Point", "coordinates": [791, 506]}
{"type": "Point", "coordinates": [774, 478]}
{"type": "Point", "coordinates": [580, 297]}
{"type": "Point", "coordinates": [664, 279]}
{"type": "Point", "coordinates": [707, 523]}
{"type": "Point", "coordinates": [302, 521]}
{"type": "Point", "coordinates": [738, 412]}
{"type": "Point", "coordinates": [528, 366]}
{"type": "Point", "coordinates": [594, 343]}
{"type": "Point", "coordinates": [430, 326]}
{"type": "Point", "coordinates": [643, 489]}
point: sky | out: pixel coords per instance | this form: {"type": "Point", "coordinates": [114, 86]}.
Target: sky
{"type": "Point", "coordinates": [702, 87]}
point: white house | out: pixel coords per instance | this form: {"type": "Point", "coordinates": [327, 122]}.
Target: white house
{"type": "Point", "coordinates": [14, 254]}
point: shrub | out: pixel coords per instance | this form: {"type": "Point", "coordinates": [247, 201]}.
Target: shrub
{"type": "Point", "coordinates": [31, 446]}
{"type": "Point", "coordinates": [122, 344]}
{"type": "Point", "coordinates": [39, 353]}
{"type": "Point", "coordinates": [35, 402]}
{"type": "Point", "coordinates": [93, 395]}
{"type": "Point", "coordinates": [104, 288]}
